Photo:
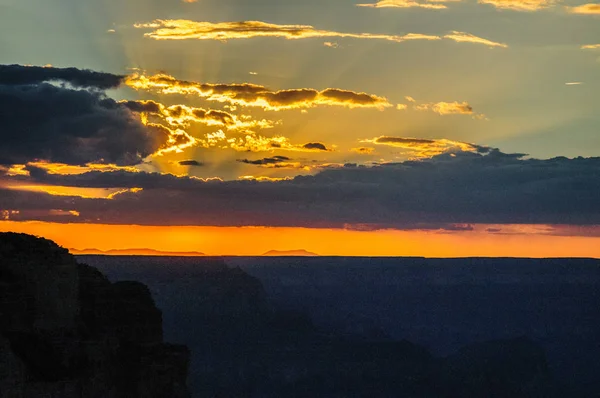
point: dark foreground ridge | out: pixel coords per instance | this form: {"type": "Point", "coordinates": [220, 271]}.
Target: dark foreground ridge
{"type": "Point", "coordinates": [67, 332]}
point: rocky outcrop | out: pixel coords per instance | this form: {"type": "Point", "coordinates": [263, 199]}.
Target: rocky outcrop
{"type": "Point", "coordinates": [67, 332]}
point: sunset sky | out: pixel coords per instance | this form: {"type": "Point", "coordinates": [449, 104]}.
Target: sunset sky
{"type": "Point", "coordinates": [344, 127]}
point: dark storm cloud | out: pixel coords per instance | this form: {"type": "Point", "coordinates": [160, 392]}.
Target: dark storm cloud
{"type": "Point", "coordinates": [272, 160]}
{"type": "Point", "coordinates": [451, 190]}
{"type": "Point", "coordinates": [27, 75]}
{"type": "Point", "coordinates": [58, 124]}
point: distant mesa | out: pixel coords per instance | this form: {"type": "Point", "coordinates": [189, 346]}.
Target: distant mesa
{"type": "Point", "coordinates": [133, 252]}
{"type": "Point", "coordinates": [290, 253]}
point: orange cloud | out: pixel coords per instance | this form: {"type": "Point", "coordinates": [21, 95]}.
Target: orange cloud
{"type": "Point", "coordinates": [252, 95]}
{"type": "Point", "coordinates": [434, 5]}
{"type": "Point", "coordinates": [424, 148]}
{"type": "Point", "coordinates": [252, 142]}
{"type": "Point", "coordinates": [183, 116]}
{"type": "Point", "coordinates": [462, 37]}
{"type": "Point", "coordinates": [181, 29]}
{"type": "Point", "coordinates": [519, 5]}
{"type": "Point", "coordinates": [586, 9]}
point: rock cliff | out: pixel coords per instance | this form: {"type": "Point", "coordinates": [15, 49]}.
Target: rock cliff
{"type": "Point", "coordinates": [66, 331]}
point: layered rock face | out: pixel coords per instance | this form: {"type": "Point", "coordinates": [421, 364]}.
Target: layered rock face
{"type": "Point", "coordinates": [67, 332]}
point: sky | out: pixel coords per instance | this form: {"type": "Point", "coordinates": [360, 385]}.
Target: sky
{"type": "Point", "coordinates": [440, 128]}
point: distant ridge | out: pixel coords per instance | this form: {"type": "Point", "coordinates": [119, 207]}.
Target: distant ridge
{"type": "Point", "coordinates": [133, 252]}
{"type": "Point", "coordinates": [290, 253]}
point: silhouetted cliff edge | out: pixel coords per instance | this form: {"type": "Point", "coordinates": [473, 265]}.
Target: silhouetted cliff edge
{"type": "Point", "coordinates": [66, 331]}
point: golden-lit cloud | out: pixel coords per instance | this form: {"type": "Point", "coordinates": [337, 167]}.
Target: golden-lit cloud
{"type": "Point", "coordinates": [250, 141]}
{"type": "Point", "coordinates": [402, 107]}
{"type": "Point", "coordinates": [183, 116]}
{"type": "Point", "coordinates": [252, 95]}
{"type": "Point", "coordinates": [586, 9]}
{"type": "Point", "coordinates": [590, 47]}
{"type": "Point", "coordinates": [56, 190]}
{"type": "Point", "coordinates": [182, 29]}
{"type": "Point", "coordinates": [519, 5]}
{"type": "Point", "coordinates": [423, 148]}
{"type": "Point", "coordinates": [433, 5]}
{"type": "Point", "coordinates": [447, 108]}
{"type": "Point", "coordinates": [463, 37]}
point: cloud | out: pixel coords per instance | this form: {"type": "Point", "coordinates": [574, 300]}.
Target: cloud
{"type": "Point", "coordinates": [266, 161]}
{"type": "Point", "coordinates": [191, 163]}
{"type": "Point", "coordinates": [590, 47]}
{"type": "Point", "coordinates": [250, 141]}
{"type": "Point", "coordinates": [183, 116]}
{"type": "Point", "coordinates": [315, 146]}
{"type": "Point", "coordinates": [519, 5]}
{"type": "Point", "coordinates": [18, 75]}
{"type": "Point", "coordinates": [434, 5]}
{"type": "Point", "coordinates": [449, 108]}
{"type": "Point", "coordinates": [462, 37]}
{"type": "Point", "coordinates": [363, 150]}
{"type": "Point", "coordinates": [252, 95]}
{"type": "Point", "coordinates": [586, 9]}
{"type": "Point", "coordinates": [181, 29]}
{"type": "Point", "coordinates": [424, 148]}
{"type": "Point", "coordinates": [456, 189]}
{"type": "Point", "coordinates": [56, 124]}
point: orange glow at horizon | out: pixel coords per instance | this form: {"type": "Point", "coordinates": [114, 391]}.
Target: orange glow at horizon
{"type": "Point", "coordinates": [257, 240]}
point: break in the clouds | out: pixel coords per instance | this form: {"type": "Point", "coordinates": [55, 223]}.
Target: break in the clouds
{"type": "Point", "coordinates": [462, 188]}
{"type": "Point", "coordinates": [519, 5]}
{"type": "Point", "coordinates": [424, 148]}
{"type": "Point", "coordinates": [252, 95]}
{"type": "Point", "coordinates": [586, 9]}
{"type": "Point", "coordinates": [181, 29]}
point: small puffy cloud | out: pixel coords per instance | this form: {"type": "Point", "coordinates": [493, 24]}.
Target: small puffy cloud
{"type": "Point", "coordinates": [590, 47]}
{"type": "Point", "coordinates": [447, 108]}
{"type": "Point", "coordinates": [463, 37]}
{"type": "Point", "coordinates": [331, 44]}
{"type": "Point", "coordinates": [315, 146]}
{"type": "Point", "coordinates": [252, 95]}
{"type": "Point", "coordinates": [402, 107]}
{"type": "Point", "coordinates": [363, 150]}
{"type": "Point", "coordinates": [519, 5]}
{"type": "Point", "coordinates": [586, 9]}
{"type": "Point", "coordinates": [181, 29]}
{"type": "Point", "coordinates": [190, 163]}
